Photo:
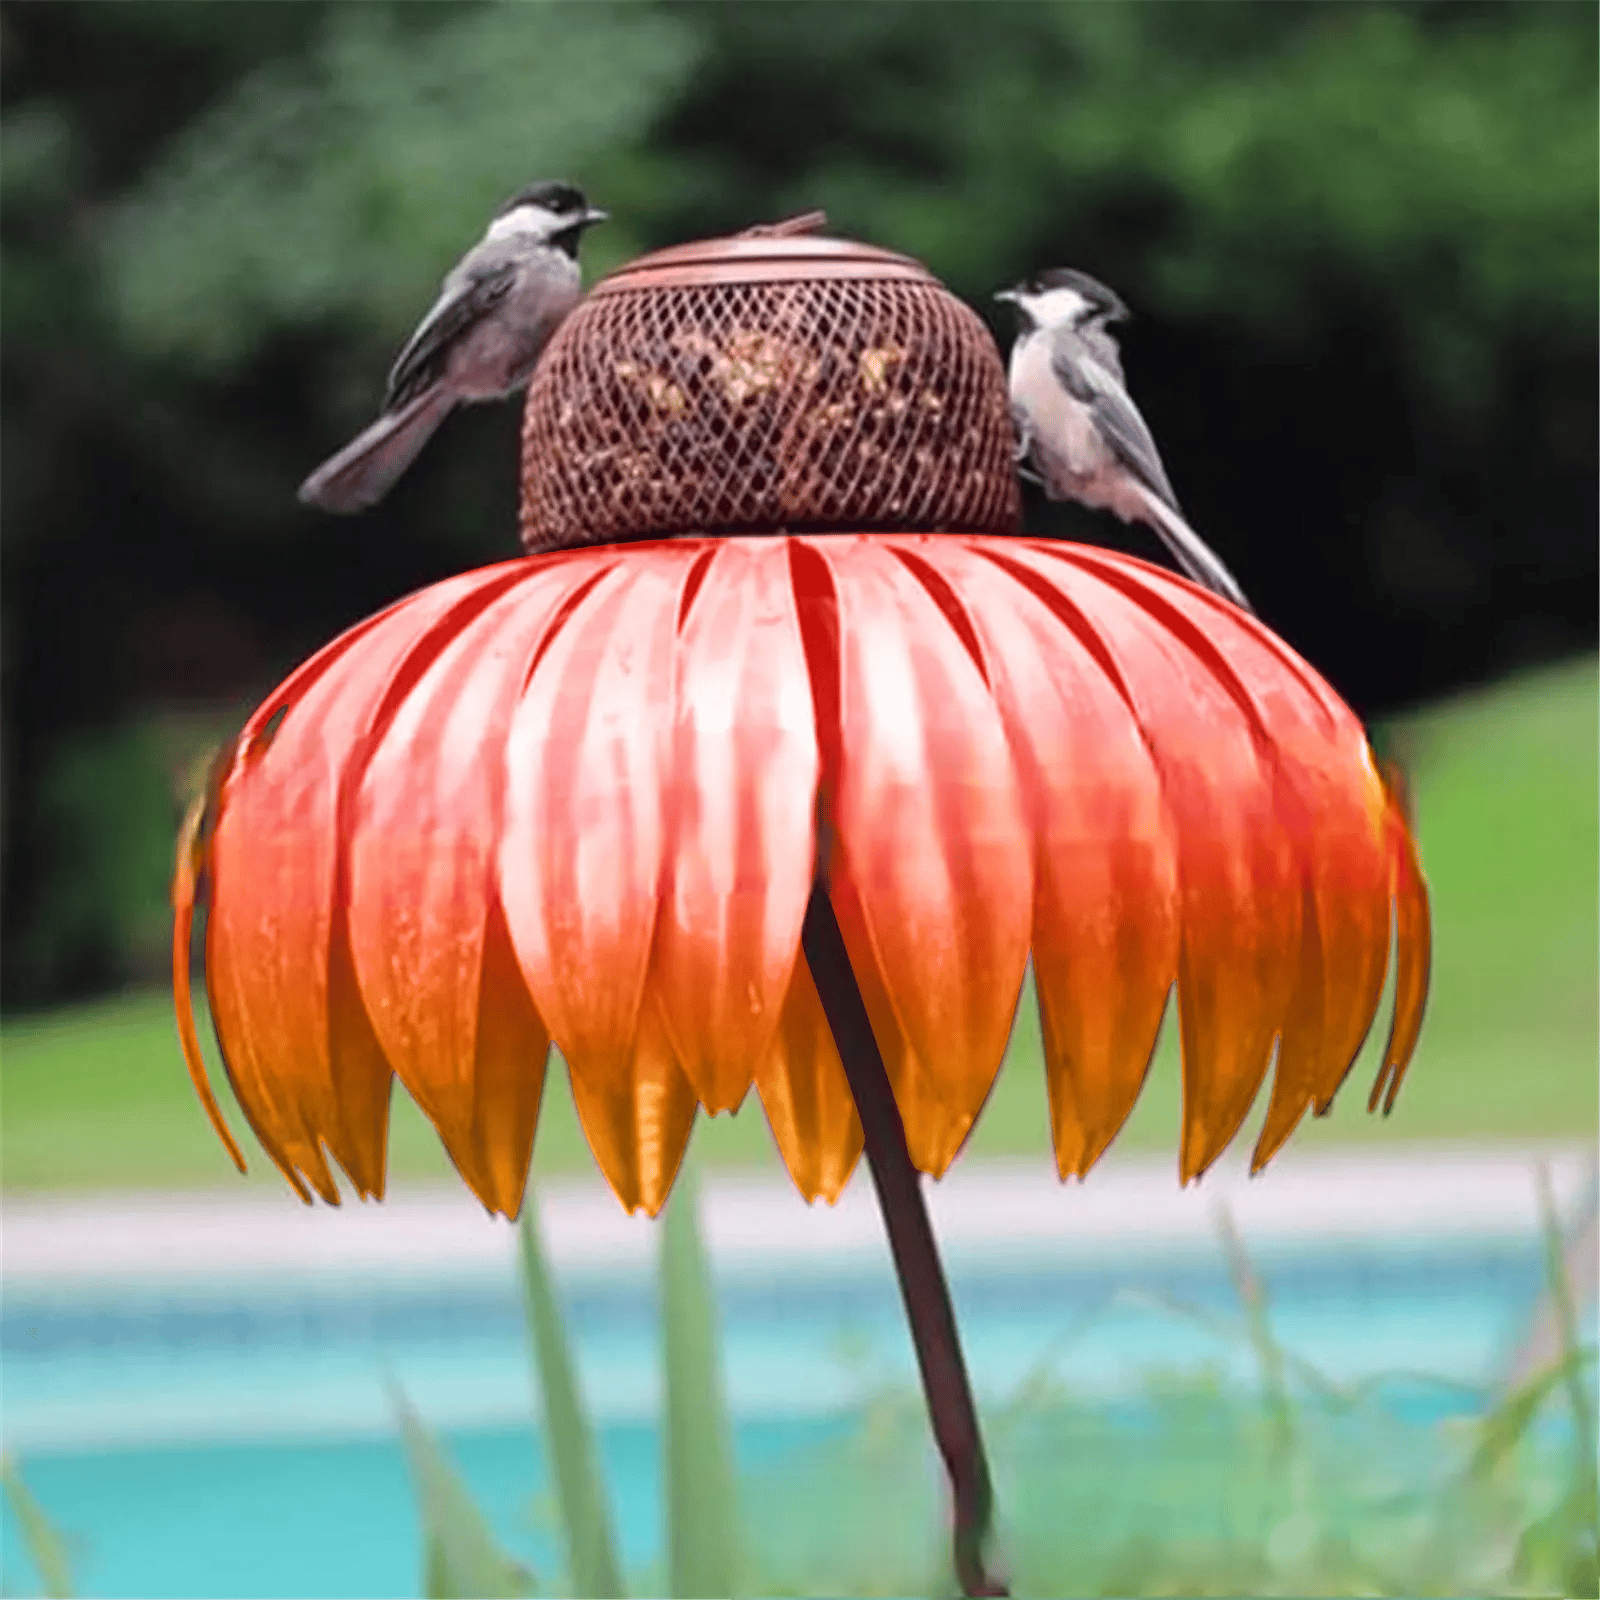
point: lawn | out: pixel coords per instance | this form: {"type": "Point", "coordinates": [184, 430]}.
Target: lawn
{"type": "Point", "coordinates": [1506, 787]}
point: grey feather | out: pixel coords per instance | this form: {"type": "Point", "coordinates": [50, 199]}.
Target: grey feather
{"type": "Point", "coordinates": [1198, 560]}
{"type": "Point", "coordinates": [363, 472]}
{"type": "Point", "coordinates": [1101, 344]}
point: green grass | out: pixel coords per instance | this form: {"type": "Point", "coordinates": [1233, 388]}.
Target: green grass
{"type": "Point", "coordinates": [1506, 783]}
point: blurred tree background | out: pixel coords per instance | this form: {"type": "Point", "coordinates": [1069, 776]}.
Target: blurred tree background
{"type": "Point", "coordinates": [1361, 240]}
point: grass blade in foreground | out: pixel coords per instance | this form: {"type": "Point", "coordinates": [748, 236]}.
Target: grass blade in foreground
{"type": "Point", "coordinates": [1252, 1294]}
{"type": "Point", "coordinates": [1583, 1424]}
{"type": "Point", "coordinates": [702, 1504]}
{"type": "Point", "coordinates": [46, 1548]}
{"type": "Point", "coordinates": [1565, 1544]}
{"type": "Point", "coordinates": [461, 1556]}
{"type": "Point", "coordinates": [592, 1568]}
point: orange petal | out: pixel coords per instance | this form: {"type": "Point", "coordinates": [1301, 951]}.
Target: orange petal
{"type": "Point", "coordinates": [1106, 924]}
{"type": "Point", "coordinates": [934, 886]}
{"type": "Point", "coordinates": [638, 1120]}
{"type": "Point", "coordinates": [299, 1050]}
{"type": "Point", "coordinates": [936, 1127]}
{"type": "Point", "coordinates": [1330, 808]}
{"type": "Point", "coordinates": [1413, 959]}
{"type": "Point", "coordinates": [934, 1131]}
{"type": "Point", "coordinates": [423, 893]}
{"type": "Point", "coordinates": [581, 852]}
{"type": "Point", "coordinates": [508, 1074]}
{"type": "Point", "coordinates": [1239, 956]}
{"type": "Point", "coordinates": [741, 802]}
{"type": "Point", "coordinates": [807, 1097]}
{"type": "Point", "coordinates": [362, 1080]}
{"type": "Point", "coordinates": [184, 877]}
{"type": "Point", "coordinates": [1344, 947]}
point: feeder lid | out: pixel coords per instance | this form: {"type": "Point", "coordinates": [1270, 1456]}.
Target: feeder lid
{"type": "Point", "coordinates": [762, 256]}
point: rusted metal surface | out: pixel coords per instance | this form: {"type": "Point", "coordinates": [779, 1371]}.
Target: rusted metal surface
{"type": "Point", "coordinates": [770, 381]}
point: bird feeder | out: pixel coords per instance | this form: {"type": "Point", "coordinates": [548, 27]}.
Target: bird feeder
{"type": "Point", "coordinates": [776, 382]}
{"type": "Point", "coordinates": [771, 766]}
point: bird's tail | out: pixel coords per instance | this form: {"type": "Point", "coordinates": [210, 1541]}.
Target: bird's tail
{"type": "Point", "coordinates": [1198, 560]}
{"type": "Point", "coordinates": [363, 472]}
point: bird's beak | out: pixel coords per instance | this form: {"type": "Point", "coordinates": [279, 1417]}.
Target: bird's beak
{"type": "Point", "coordinates": [1008, 294]}
{"type": "Point", "coordinates": [594, 215]}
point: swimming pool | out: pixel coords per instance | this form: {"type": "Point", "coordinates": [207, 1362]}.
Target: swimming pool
{"type": "Point", "coordinates": [233, 1436]}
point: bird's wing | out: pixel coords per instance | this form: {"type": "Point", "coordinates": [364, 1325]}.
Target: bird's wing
{"type": "Point", "coordinates": [1082, 372]}
{"type": "Point", "coordinates": [1101, 343]}
{"type": "Point", "coordinates": [461, 305]}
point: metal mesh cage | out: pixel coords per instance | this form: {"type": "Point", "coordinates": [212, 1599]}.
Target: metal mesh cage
{"type": "Point", "coordinates": [843, 388]}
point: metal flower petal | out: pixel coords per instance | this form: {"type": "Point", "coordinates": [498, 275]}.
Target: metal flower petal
{"type": "Point", "coordinates": [582, 798]}
{"type": "Point", "coordinates": [428, 933]}
{"type": "Point", "coordinates": [299, 1048]}
{"type": "Point", "coordinates": [1106, 909]}
{"type": "Point", "coordinates": [740, 791]}
{"type": "Point", "coordinates": [807, 1097]}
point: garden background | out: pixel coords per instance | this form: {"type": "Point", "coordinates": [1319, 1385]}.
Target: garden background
{"type": "Point", "coordinates": [1360, 242]}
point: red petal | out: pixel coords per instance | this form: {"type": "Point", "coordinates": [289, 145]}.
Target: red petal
{"type": "Point", "coordinates": [1239, 957]}
{"type": "Point", "coordinates": [741, 803]}
{"type": "Point", "coordinates": [423, 892]}
{"type": "Point", "coordinates": [302, 1061]}
{"type": "Point", "coordinates": [580, 860]}
{"type": "Point", "coordinates": [930, 832]}
{"type": "Point", "coordinates": [1105, 936]}
{"type": "Point", "coordinates": [1330, 809]}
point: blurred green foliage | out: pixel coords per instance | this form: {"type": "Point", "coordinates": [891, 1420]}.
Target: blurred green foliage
{"type": "Point", "coordinates": [1304, 1486]}
{"type": "Point", "coordinates": [337, 185]}
{"type": "Point", "coordinates": [1294, 1485]}
{"type": "Point", "coordinates": [1361, 239]}
{"type": "Point", "coordinates": [45, 1545]}
{"type": "Point", "coordinates": [461, 1559]}
{"type": "Point", "coordinates": [592, 1566]}
{"type": "Point", "coordinates": [703, 1534]}
{"type": "Point", "coordinates": [106, 838]}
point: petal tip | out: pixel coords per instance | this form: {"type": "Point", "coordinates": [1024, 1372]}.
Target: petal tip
{"type": "Point", "coordinates": [184, 880]}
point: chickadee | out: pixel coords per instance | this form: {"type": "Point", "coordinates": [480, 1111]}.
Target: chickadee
{"type": "Point", "coordinates": [495, 313]}
{"type": "Point", "coordinates": [1080, 428]}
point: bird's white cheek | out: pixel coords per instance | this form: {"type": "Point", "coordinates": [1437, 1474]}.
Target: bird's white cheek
{"type": "Point", "coordinates": [525, 219]}
{"type": "Point", "coordinates": [1056, 308]}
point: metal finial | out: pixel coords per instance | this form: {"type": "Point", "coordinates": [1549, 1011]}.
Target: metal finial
{"type": "Point", "coordinates": [806, 222]}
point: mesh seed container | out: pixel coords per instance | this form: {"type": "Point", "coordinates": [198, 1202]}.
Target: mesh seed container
{"type": "Point", "coordinates": [758, 384]}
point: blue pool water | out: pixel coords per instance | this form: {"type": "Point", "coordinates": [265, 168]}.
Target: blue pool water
{"type": "Point", "coordinates": [241, 1442]}
{"type": "Point", "coordinates": [334, 1516]}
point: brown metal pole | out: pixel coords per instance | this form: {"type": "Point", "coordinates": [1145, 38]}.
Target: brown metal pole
{"type": "Point", "coordinates": [916, 1255]}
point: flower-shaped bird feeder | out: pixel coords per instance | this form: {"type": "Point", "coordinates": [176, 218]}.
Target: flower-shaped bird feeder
{"type": "Point", "coordinates": [771, 769]}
